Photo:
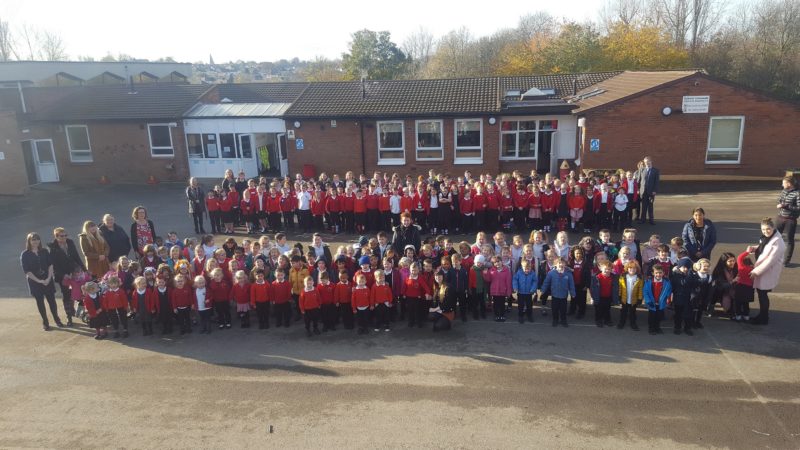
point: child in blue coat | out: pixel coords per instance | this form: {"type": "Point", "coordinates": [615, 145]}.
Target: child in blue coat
{"type": "Point", "coordinates": [683, 285]}
{"type": "Point", "coordinates": [657, 291]}
{"type": "Point", "coordinates": [524, 283]}
{"type": "Point", "coordinates": [560, 284]}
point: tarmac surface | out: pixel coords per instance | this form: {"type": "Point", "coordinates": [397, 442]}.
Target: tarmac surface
{"type": "Point", "coordinates": [482, 385]}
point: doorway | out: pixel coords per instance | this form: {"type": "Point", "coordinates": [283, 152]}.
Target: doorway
{"type": "Point", "coordinates": [40, 161]}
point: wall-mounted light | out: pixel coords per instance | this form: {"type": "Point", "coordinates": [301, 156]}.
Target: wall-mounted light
{"type": "Point", "coordinates": [666, 111]}
{"type": "Point", "coordinates": [297, 124]}
{"type": "Point", "coordinates": [492, 121]}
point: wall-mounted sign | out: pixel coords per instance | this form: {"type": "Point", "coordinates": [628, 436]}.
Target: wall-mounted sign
{"type": "Point", "coordinates": [290, 134]}
{"type": "Point", "coordinates": [594, 145]}
{"type": "Point", "coordinates": [695, 104]}
{"type": "Point", "coordinates": [299, 144]}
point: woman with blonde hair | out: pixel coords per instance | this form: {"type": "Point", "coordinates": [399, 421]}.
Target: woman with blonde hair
{"type": "Point", "coordinates": [94, 248]}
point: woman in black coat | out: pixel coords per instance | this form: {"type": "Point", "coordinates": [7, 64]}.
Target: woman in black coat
{"type": "Point", "coordinates": [119, 243]}
{"type": "Point", "coordinates": [699, 235]}
{"type": "Point", "coordinates": [65, 258]}
{"type": "Point", "coordinates": [197, 204]}
{"type": "Point", "coordinates": [38, 268]}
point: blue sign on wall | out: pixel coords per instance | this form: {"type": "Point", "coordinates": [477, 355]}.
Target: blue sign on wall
{"type": "Point", "coordinates": [594, 145]}
{"type": "Point", "coordinates": [299, 144]}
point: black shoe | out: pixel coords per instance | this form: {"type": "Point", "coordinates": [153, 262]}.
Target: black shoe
{"type": "Point", "coordinates": [69, 322]}
{"type": "Point", "coordinates": [46, 327]}
{"type": "Point", "coordinates": [688, 332]}
{"type": "Point", "coordinates": [635, 327]}
{"type": "Point", "coordinates": [116, 335]}
{"type": "Point", "coordinates": [98, 337]}
{"type": "Point", "coordinates": [579, 316]}
{"type": "Point", "coordinates": [676, 331]}
{"type": "Point", "coordinates": [698, 325]}
{"type": "Point", "coordinates": [60, 324]}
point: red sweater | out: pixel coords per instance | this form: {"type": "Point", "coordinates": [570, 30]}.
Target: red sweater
{"type": "Point", "coordinates": [226, 204]}
{"type": "Point", "coordinates": [348, 203]}
{"type": "Point", "coordinates": [88, 303]}
{"type": "Point", "coordinates": [421, 202]}
{"type": "Point", "coordinates": [259, 293]}
{"type": "Point", "coordinates": [317, 207]}
{"type": "Point", "coordinates": [360, 205]}
{"type": "Point", "coordinates": [241, 293]}
{"type": "Point", "coordinates": [381, 294]}
{"type": "Point", "coordinates": [326, 294]}
{"type": "Point", "coordinates": [114, 300]}
{"type": "Point", "coordinates": [150, 300]}
{"type": "Point", "coordinates": [372, 201]}
{"type": "Point", "coordinates": [333, 204]}
{"type": "Point", "coordinates": [288, 203]}
{"type": "Point", "coordinates": [521, 200]}
{"type": "Point", "coordinates": [415, 288]}
{"type": "Point", "coordinates": [479, 203]}
{"type": "Point", "coordinates": [370, 276]}
{"type": "Point", "coordinates": [281, 291]}
{"type": "Point", "coordinates": [549, 202]}
{"type": "Point", "coordinates": [361, 298]}
{"type": "Point", "coordinates": [406, 204]}
{"type": "Point", "coordinates": [506, 203]}
{"type": "Point", "coordinates": [274, 203]}
{"type": "Point", "coordinates": [576, 201]}
{"type": "Point", "coordinates": [342, 292]}
{"type": "Point", "coordinates": [181, 297]}
{"type": "Point", "coordinates": [218, 291]}
{"type": "Point", "coordinates": [535, 201]}
{"type": "Point", "coordinates": [383, 203]}
{"type": "Point", "coordinates": [309, 300]}
{"type": "Point", "coordinates": [212, 204]}
{"type": "Point", "coordinates": [466, 205]}
{"type": "Point", "coordinates": [492, 200]}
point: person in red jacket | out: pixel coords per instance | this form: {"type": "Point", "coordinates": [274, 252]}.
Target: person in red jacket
{"type": "Point", "coordinates": [415, 290]}
{"type": "Point", "coordinates": [145, 304]}
{"type": "Point", "coordinates": [492, 208]}
{"type": "Point", "coordinates": [381, 297]}
{"type": "Point", "coordinates": [288, 207]}
{"type": "Point", "coordinates": [212, 206]}
{"type": "Point", "coordinates": [309, 305]}
{"type": "Point", "coordinates": [240, 294]}
{"type": "Point", "coordinates": [219, 292]}
{"type": "Point", "coordinates": [479, 205]}
{"type": "Point", "coordinates": [92, 302]}
{"type": "Point", "coordinates": [466, 206]}
{"type": "Point", "coordinates": [342, 293]}
{"type": "Point", "coordinates": [520, 207]}
{"type": "Point", "coordinates": [260, 298]}
{"type": "Point", "coordinates": [576, 201]}
{"type": "Point", "coordinates": [226, 212]}
{"type": "Point", "coordinates": [406, 201]}
{"type": "Point", "coordinates": [373, 214]}
{"type": "Point", "coordinates": [317, 210]}
{"type": "Point", "coordinates": [361, 302]}
{"type": "Point", "coordinates": [274, 210]}
{"type": "Point", "coordinates": [421, 205]}
{"type": "Point", "coordinates": [333, 208]}
{"type": "Point", "coordinates": [348, 207]}
{"type": "Point", "coordinates": [115, 303]}
{"type": "Point", "coordinates": [236, 200]}
{"type": "Point", "coordinates": [281, 290]}
{"type": "Point", "coordinates": [360, 211]}
{"type": "Point", "coordinates": [603, 204]}
{"type": "Point", "coordinates": [327, 302]}
{"type": "Point", "coordinates": [549, 204]}
{"type": "Point", "coordinates": [181, 300]}
{"type": "Point", "coordinates": [506, 208]}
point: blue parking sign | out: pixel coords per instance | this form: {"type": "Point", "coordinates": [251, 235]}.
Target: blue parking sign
{"type": "Point", "coordinates": [299, 144]}
{"type": "Point", "coordinates": [594, 145]}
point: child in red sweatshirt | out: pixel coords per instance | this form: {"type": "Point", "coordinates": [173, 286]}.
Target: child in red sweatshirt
{"type": "Point", "coordinates": [327, 302]}
{"type": "Point", "coordinates": [309, 305]}
{"type": "Point", "coordinates": [381, 297]}
{"type": "Point", "coordinates": [362, 302]}
{"type": "Point", "coordinates": [342, 293]}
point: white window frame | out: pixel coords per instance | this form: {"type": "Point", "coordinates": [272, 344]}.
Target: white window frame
{"type": "Point", "coordinates": [737, 149]}
{"type": "Point", "coordinates": [440, 148]}
{"type": "Point", "coordinates": [535, 138]}
{"type": "Point", "coordinates": [150, 141]}
{"type": "Point", "coordinates": [69, 144]}
{"type": "Point", "coordinates": [456, 148]}
{"type": "Point", "coordinates": [391, 161]}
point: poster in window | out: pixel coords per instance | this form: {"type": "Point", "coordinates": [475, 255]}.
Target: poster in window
{"type": "Point", "coordinates": [212, 150]}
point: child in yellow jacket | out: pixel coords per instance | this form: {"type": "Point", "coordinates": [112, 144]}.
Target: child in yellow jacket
{"type": "Point", "coordinates": [630, 294]}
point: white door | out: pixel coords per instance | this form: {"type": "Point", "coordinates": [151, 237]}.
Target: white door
{"type": "Point", "coordinates": [283, 155]}
{"type": "Point", "coordinates": [45, 160]}
{"type": "Point", "coordinates": [247, 160]}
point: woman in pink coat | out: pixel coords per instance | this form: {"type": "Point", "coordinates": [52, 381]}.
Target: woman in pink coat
{"type": "Point", "coordinates": [767, 270]}
{"type": "Point", "coordinates": [499, 279]}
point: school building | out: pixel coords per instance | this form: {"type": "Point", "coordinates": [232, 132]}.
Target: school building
{"type": "Point", "coordinates": [694, 126]}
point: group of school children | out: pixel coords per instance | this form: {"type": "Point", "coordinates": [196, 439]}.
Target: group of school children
{"type": "Point", "coordinates": [439, 203]}
{"type": "Point", "coordinates": [373, 285]}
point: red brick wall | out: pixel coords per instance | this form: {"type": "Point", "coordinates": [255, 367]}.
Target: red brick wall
{"type": "Point", "coordinates": [120, 151]}
{"type": "Point", "coordinates": [632, 129]}
{"type": "Point", "coordinates": [337, 150]}
{"type": "Point", "coordinates": [14, 179]}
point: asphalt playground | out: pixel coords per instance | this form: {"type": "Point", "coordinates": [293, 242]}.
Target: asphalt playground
{"type": "Point", "coordinates": [482, 385]}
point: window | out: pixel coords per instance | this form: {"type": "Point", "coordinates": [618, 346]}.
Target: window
{"type": "Point", "coordinates": [78, 140]}
{"type": "Point", "coordinates": [468, 141]}
{"type": "Point", "coordinates": [725, 140]}
{"type": "Point", "coordinates": [160, 140]}
{"type": "Point", "coordinates": [194, 144]}
{"type": "Point", "coordinates": [391, 143]}
{"type": "Point", "coordinates": [227, 144]}
{"type": "Point", "coordinates": [429, 140]}
{"type": "Point", "coordinates": [526, 139]}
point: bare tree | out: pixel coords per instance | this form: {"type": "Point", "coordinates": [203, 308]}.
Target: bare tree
{"type": "Point", "coordinates": [689, 22]}
{"type": "Point", "coordinates": [29, 37]}
{"type": "Point", "coordinates": [52, 47]}
{"type": "Point", "coordinates": [627, 12]}
{"type": "Point", "coordinates": [6, 42]}
{"type": "Point", "coordinates": [537, 25]}
{"type": "Point", "coordinates": [418, 47]}
{"type": "Point", "coordinates": [454, 57]}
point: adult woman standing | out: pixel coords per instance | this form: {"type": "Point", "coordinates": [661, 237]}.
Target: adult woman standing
{"type": "Point", "coordinates": [95, 249]}
{"type": "Point", "coordinates": [119, 244]}
{"type": "Point", "coordinates": [143, 232]}
{"type": "Point", "coordinates": [38, 269]}
{"type": "Point", "coordinates": [197, 204]}
{"type": "Point", "coordinates": [699, 235]}
{"type": "Point", "coordinates": [228, 180]}
{"type": "Point", "coordinates": [767, 269]}
{"type": "Point", "coordinates": [65, 258]}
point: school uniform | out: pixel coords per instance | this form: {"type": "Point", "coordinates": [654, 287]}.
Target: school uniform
{"type": "Point", "coordinates": [219, 296]}
{"type": "Point", "coordinates": [240, 294]}
{"type": "Point", "coordinates": [260, 301]}
{"type": "Point", "coordinates": [115, 303]}
{"type": "Point", "coordinates": [382, 297]}
{"type": "Point", "coordinates": [682, 286]}
{"type": "Point", "coordinates": [582, 276]}
{"type": "Point", "coordinates": [605, 292]}
{"type": "Point", "coordinates": [525, 285]}
{"type": "Point", "coordinates": [145, 304]}
{"type": "Point", "coordinates": [499, 289]}
{"type": "Point", "coordinates": [656, 294]}
{"type": "Point", "coordinates": [415, 290]}
{"type": "Point", "coordinates": [165, 311]}
{"type": "Point", "coordinates": [477, 297]}
{"type": "Point", "coordinates": [203, 305]}
{"type": "Point", "coordinates": [327, 306]}
{"type": "Point", "coordinates": [333, 207]}
{"type": "Point", "coordinates": [630, 296]}
{"type": "Point", "coordinates": [181, 300]}
{"type": "Point", "coordinates": [361, 302]}
{"type": "Point", "coordinates": [309, 307]}
{"type": "Point", "coordinates": [559, 285]}
{"type": "Point", "coordinates": [98, 319]}
{"type": "Point", "coordinates": [281, 296]}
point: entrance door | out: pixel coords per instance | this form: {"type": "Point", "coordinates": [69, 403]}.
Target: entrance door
{"type": "Point", "coordinates": [40, 161]}
{"type": "Point", "coordinates": [283, 155]}
{"type": "Point", "coordinates": [247, 160]}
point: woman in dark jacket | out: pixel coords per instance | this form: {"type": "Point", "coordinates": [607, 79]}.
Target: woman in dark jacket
{"type": "Point", "coordinates": [699, 235]}
{"type": "Point", "coordinates": [143, 232]}
{"type": "Point", "coordinates": [119, 243]}
{"type": "Point", "coordinates": [65, 258]}
{"type": "Point", "coordinates": [38, 268]}
{"type": "Point", "coordinates": [197, 204]}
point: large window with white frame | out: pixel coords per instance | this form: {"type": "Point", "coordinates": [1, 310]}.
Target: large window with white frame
{"type": "Point", "coordinates": [526, 139]}
{"type": "Point", "coordinates": [160, 139]}
{"type": "Point", "coordinates": [429, 140]}
{"type": "Point", "coordinates": [468, 141]}
{"type": "Point", "coordinates": [725, 140]}
{"type": "Point", "coordinates": [80, 149]}
{"type": "Point", "coordinates": [391, 142]}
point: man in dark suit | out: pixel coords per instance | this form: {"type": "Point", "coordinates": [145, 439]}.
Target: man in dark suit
{"type": "Point", "coordinates": [648, 185]}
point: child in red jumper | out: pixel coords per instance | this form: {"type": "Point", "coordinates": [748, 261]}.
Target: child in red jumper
{"type": "Point", "coordinates": [97, 315]}
{"type": "Point", "coordinates": [381, 297]}
{"type": "Point", "coordinates": [361, 301]}
{"type": "Point", "coordinates": [181, 300]}
{"type": "Point", "coordinates": [240, 293]}
{"type": "Point", "coordinates": [260, 298]}
{"type": "Point", "coordinates": [309, 305]}
{"type": "Point", "coordinates": [342, 294]}
{"type": "Point", "coordinates": [281, 290]}
{"type": "Point", "coordinates": [115, 303]}
{"type": "Point", "coordinates": [327, 302]}
{"type": "Point", "coordinates": [212, 206]}
{"type": "Point", "coordinates": [219, 292]}
{"type": "Point", "coordinates": [415, 290]}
